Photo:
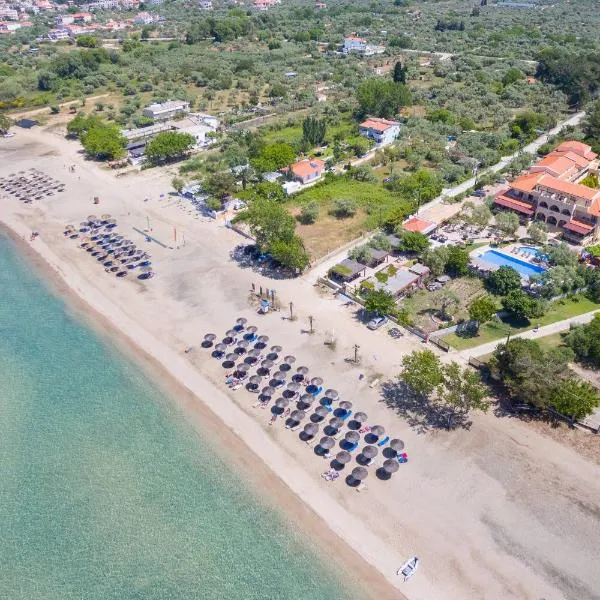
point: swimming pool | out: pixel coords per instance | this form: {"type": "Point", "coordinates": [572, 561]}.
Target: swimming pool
{"type": "Point", "coordinates": [495, 257]}
{"type": "Point", "coordinates": [531, 252]}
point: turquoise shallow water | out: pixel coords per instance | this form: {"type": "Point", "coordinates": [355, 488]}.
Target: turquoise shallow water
{"type": "Point", "coordinates": [105, 492]}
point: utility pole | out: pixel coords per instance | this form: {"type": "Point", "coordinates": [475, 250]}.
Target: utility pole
{"type": "Point", "coordinates": [291, 311]}
{"type": "Point", "coordinates": [356, 347]}
{"type": "Point", "coordinates": [310, 322]}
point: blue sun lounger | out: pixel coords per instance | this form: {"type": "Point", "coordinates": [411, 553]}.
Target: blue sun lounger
{"type": "Point", "coordinates": [384, 441]}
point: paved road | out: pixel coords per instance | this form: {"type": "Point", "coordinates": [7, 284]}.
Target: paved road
{"type": "Point", "coordinates": [530, 335]}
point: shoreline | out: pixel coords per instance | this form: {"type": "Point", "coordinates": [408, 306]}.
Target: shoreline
{"type": "Point", "coordinates": [292, 492]}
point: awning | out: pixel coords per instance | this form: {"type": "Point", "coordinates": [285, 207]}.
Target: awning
{"type": "Point", "coordinates": [517, 205]}
{"type": "Point", "coordinates": [579, 227]}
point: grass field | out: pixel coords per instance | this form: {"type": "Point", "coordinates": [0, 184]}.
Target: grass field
{"type": "Point", "coordinates": [329, 232]}
{"type": "Point", "coordinates": [496, 330]}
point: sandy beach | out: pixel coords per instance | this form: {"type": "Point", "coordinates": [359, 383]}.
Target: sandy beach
{"type": "Point", "coordinates": [498, 511]}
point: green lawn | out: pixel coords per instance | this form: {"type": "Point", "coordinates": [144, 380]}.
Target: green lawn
{"type": "Point", "coordinates": [496, 330]}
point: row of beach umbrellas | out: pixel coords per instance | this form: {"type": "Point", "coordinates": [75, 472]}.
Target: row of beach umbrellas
{"type": "Point", "coordinates": [32, 184]}
{"type": "Point", "coordinates": [242, 342]}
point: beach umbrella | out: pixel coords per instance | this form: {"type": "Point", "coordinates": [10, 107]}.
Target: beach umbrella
{"type": "Point", "coordinates": [390, 465]}
{"type": "Point", "coordinates": [316, 381]}
{"type": "Point", "coordinates": [377, 430]}
{"type": "Point", "coordinates": [302, 370]}
{"type": "Point", "coordinates": [333, 394]}
{"type": "Point", "coordinates": [146, 270]}
{"type": "Point", "coordinates": [276, 348]}
{"type": "Point", "coordinates": [397, 445]}
{"type": "Point", "coordinates": [267, 391]}
{"type": "Point", "coordinates": [92, 218]}
{"type": "Point", "coordinates": [327, 442]}
{"type": "Point", "coordinates": [266, 364]}
{"type": "Point", "coordinates": [254, 353]}
{"type": "Point", "coordinates": [228, 340]}
{"type": "Point", "coordinates": [106, 217]}
{"type": "Point", "coordinates": [343, 457]}
{"type": "Point", "coordinates": [290, 360]}
{"type": "Point", "coordinates": [251, 329]}
{"type": "Point", "coordinates": [243, 344]}
{"type": "Point", "coordinates": [231, 333]}
{"type": "Point", "coordinates": [345, 405]}
{"type": "Point", "coordinates": [122, 273]}
{"type": "Point", "coordinates": [210, 337]}
{"type": "Point", "coordinates": [231, 357]}
{"type": "Point", "coordinates": [279, 376]}
{"type": "Point", "coordinates": [311, 429]}
{"type": "Point", "coordinates": [336, 423]}
{"type": "Point", "coordinates": [282, 403]}
{"type": "Point", "coordinates": [220, 347]}
{"type": "Point", "coordinates": [360, 473]}
{"type": "Point", "coordinates": [263, 339]}
{"type": "Point", "coordinates": [305, 401]}
{"type": "Point", "coordinates": [360, 417]}
{"type": "Point", "coordinates": [241, 321]}
{"type": "Point", "coordinates": [254, 380]}
{"type": "Point", "coordinates": [370, 452]}
{"type": "Point", "coordinates": [321, 412]}
{"type": "Point", "coordinates": [293, 386]}
{"type": "Point", "coordinates": [243, 368]}
{"type": "Point", "coordinates": [297, 415]}
{"type": "Point", "coordinates": [273, 356]}
{"type": "Point", "coordinates": [352, 437]}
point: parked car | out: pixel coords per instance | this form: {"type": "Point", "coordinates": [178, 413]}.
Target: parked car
{"type": "Point", "coordinates": [377, 322]}
{"type": "Point", "coordinates": [479, 193]}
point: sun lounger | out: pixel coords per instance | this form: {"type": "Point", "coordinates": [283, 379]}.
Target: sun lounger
{"type": "Point", "coordinates": [361, 487]}
{"type": "Point", "coordinates": [348, 414]}
{"type": "Point", "coordinates": [384, 441]}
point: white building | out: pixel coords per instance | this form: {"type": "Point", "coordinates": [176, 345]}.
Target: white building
{"type": "Point", "coordinates": [354, 44]}
{"type": "Point", "coordinates": [382, 131]}
{"type": "Point", "coordinates": [166, 110]}
{"type": "Point", "coordinates": [205, 5]}
{"type": "Point", "coordinates": [56, 35]}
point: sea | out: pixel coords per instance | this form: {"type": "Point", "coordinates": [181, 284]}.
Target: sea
{"type": "Point", "coordinates": [106, 492]}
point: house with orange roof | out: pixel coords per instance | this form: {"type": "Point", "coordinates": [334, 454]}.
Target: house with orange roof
{"type": "Point", "coordinates": [306, 171]}
{"type": "Point", "coordinates": [382, 131]}
{"type": "Point", "coordinates": [551, 193]}
{"type": "Point", "coordinates": [419, 225]}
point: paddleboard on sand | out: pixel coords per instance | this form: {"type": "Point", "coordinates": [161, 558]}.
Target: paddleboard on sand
{"type": "Point", "coordinates": [409, 568]}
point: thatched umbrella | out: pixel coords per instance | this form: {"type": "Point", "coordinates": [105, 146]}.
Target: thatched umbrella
{"type": "Point", "coordinates": [279, 376]}
{"type": "Point", "coordinates": [321, 412]}
{"type": "Point", "coordinates": [327, 442]}
{"type": "Point", "coordinates": [276, 349]}
{"type": "Point", "coordinates": [220, 347]}
{"type": "Point", "coordinates": [333, 394]}
{"type": "Point", "coordinates": [210, 337]}
{"type": "Point", "coordinates": [231, 333]}
{"type": "Point", "coordinates": [251, 329]}
{"type": "Point", "coordinates": [106, 217]}
{"type": "Point", "coordinates": [316, 381]}
{"type": "Point", "coordinates": [360, 417]}
{"type": "Point", "coordinates": [241, 321]}
{"type": "Point", "coordinates": [293, 386]}
{"type": "Point", "coordinates": [267, 392]}
{"type": "Point", "coordinates": [305, 401]}
{"type": "Point", "coordinates": [390, 465]}
{"type": "Point", "coordinates": [397, 445]}
{"type": "Point", "coordinates": [352, 437]}
{"type": "Point", "coordinates": [311, 429]}
{"type": "Point", "coordinates": [228, 340]}
{"type": "Point", "coordinates": [345, 405]}
{"type": "Point", "coordinates": [241, 370]}
{"type": "Point", "coordinates": [301, 372]}
{"type": "Point", "coordinates": [370, 452]}
{"type": "Point", "coordinates": [253, 382]}
{"type": "Point", "coordinates": [92, 218]}
{"type": "Point", "coordinates": [343, 457]}
{"type": "Point", "coordinates": [273, 356]}
{"type": "Point", "coordinates": [263, 339]}
{"type": "Point", "coordinates": [335, 425]}
{"type": "Point", "coordinates": [254, 353]}
{"type": "Point", "coordinates": [282, 403]}
{"type": "Point", "coordinates": [231, 357]}
{"type": "Point", "coordinates": [377, 431]}
{"type": "Point", "coordinates": [290, 360]}
{"type": "Point", "coordinates": [297, 415]}
{"type": "Point", "coordinates": [360, 473]}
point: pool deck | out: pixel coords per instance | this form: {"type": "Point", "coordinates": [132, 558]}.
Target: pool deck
{"type": "Point", "coordinates": [482, 264]}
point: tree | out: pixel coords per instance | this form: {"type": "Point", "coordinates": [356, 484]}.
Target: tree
{"type": "Point", "coordinates": [574, 398]}
{"type": "Point", "coordinates": [412, 241]}
{"type": "Point", "coordinates": [436, 259]}
{"type": "Point", "coordinates": [5, 124]}
{"type": "Point", "coordinates": [528, 372]}
{"type": "Point", "coordinates": [361, 254]}
{"type": "Point", "coordinates": [512, 75]}
{"type": "Point", "coordinates": [507, 223]}
{"type": "Point", "coordinates": [379, 302]}
{"type": "Point", "coordinates": [522, 305]}
{"type": "Point", "coordinates": [344, 208]}
{"type": "Point", "coordinates": [538, 232]}
{"type": "Point", "coordinates": [382, 98]}
{"type": "Point", "coordinates": [82, 123]}
{"type": "Point", "coordinates": [591, 123]}
{"type": "Point", "coordinates": [422, 371]}
{"type": "Point", "coordinates": [177, 184]}
{"type": "Point", "coordinates": [457, 263]}
{"type": "Point", "coordinates": [309, 213]}
{"type": "Point", "coordinates": [87, 41]}
{"type": "Point", "coordinates": [220, 184]}
{"type": "Point", "coordinates": [269, 222]}
{"type": "Point", "coordinates": [482, 309]}
{"type": "Point", "coordinates": [481, 215]}
{"type": "Point", "coordinates": [562, 255]}
{"type": "Point", "coordinates": [380, 242]}
{"type": "Point", "coordinates": [462, 390]}
{"type": "Point", "coordinates": [169, 145]}
{"type": "Point", "coordinates": [399, 75]}
{"type": "Point", "coordinates": [313, 130]}
{"type": "Point", "coordinates": [444, 299]}
{"type": "Point", "coordinates": [290, 253]}
{"type": "Point", "coordinates": [560, 280]}
{"type": "Point", "coordinates": [273, 157]}
{"type": "Point", "coordinates": [103, 141]}
{"type": "Point", "coordinates": [503, 280]}
{"type": "Point", "coordinates": [584, 340]}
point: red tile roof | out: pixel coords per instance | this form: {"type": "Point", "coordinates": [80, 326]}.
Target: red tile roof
{"type": "Point", "coordinates": [517, 205]}
{"type": "Point", "coordinates": [419, 225]}
{"type": "Point", "coordinates": [307, 167]}
{"type": "Point", "coordinates": [579, 148]}
{"type": "Point", "coordinates": [526, 182]}
{"type": "Point", "coordinates": [566, 187]}
{"type": "Point", "coordinates": [555, 164]}
{"type": "Point", "coordinates": [380, 125]}
{"type": "Point", "coordinates": [578, 227]}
